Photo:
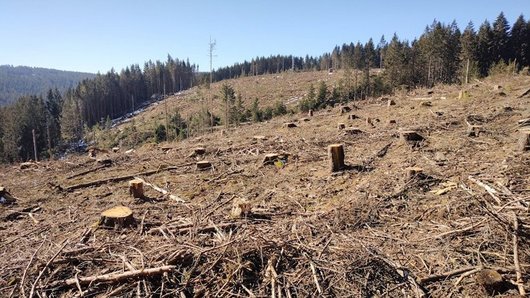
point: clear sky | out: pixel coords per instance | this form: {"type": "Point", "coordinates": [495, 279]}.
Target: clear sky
{"type": "Point", "coordinates": [96, 35]}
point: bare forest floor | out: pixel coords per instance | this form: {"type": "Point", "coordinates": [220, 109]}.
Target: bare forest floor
{"type": "Point", "coordinates": [366, 231]}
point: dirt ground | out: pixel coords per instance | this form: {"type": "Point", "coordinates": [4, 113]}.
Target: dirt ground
{"type": "Point", "coordinates": [367, 231]}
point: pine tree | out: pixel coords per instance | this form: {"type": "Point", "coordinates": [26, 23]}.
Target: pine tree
{"type": "Point", "coordinates": [228, 96]}
{"type": "Point", "coordinates": [468, 52]}
{"type": "Point", "coordinates": [520, 42]}
{"type": "Point", "coordinates": [485, 55]}
{"type": "Point", "coordinates": [501, 50]}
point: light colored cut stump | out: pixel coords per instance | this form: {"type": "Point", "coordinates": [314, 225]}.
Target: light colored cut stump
{"type": "Point", "coordinates": [289, 125]}
{"type": "Point", "coordinates": [413, 172]}
{"type": "Point", "coordinates": [136, 188]}
{"type": "Point", "coordinates": [28, 165]}
{"type": "Point", "coordinates": [524, 140]}
{"type": "Point", "coordinates": [336, 157]}
{"type": "Point", "coordinates": [203, 165]}
{"type": "Point", "coordinates": [341, 126]}
{"type": "Point", "coordinates": [270, 158]}
{"type": "Point", "coordinates": [474, 130]}
{"type": "Point", "coordinates": [391, 102]}
{"type": "Point", "coordinates": [115, 149]}
{"type": "Point", "coordinates": [310, 113]}
{"type": "Point", "coordinates": [241, 208]}
{"type": "Point", "coordinates": [117, 217]}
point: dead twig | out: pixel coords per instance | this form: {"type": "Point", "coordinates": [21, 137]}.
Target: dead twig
{"type": "Point", "coordinates": [44, 269]}
{"type": "Point", "coordinates": [520, 283]}
{"type": "Point", "coordinates": [27, 267]}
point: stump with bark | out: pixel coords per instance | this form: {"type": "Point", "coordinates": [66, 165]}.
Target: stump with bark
{"type": "Point", "coordinates": [117, 217]}
{"type": "Point", "coordinates": [474, 130]}
{"type": "Point", "coordinates": [341, 126]}
{"type": "Point", "coordinates": [310, 113]}
{"type": "Point", "coordinates": [136, 188]}
{"type": "Point", "coordinates": [289, 125]}
{"type": "Point", "coordinates": [413, 173]}
{"type": "Point", "coordinates": [336, 157]}
{"type": "Point", "coordinates": [412, 138]}
{"type": "Point", "coordinates": [345, 109]}
{"type": "Point", "coordinates": [391, 102]}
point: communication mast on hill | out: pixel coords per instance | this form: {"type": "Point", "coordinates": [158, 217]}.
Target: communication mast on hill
{"type": "Point", "coordinates": [210, 102]}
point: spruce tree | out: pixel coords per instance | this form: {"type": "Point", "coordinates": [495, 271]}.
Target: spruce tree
{"type": "Point", "coordinates": [520, 42]}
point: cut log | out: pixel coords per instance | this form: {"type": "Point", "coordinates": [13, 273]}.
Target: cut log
{"type": "Point", "coordinates": [341, 126]}
{"type": "Point", "coordinates": [352, 131]}
{"type": "Point", "coordinates": [260, 138]}
{"type": "Point", "coordinates": [241, 208]}
{"type": "Point", "coordinates": [28, 165]}
{"type": "Point", "coordinates": [391, 102]}
{"type": "Point", "coordinates": [270, 158]}
{"type": "Point", "coordinates": [474, 130]}
{"type": "Point", "coordinates": [524, 93]}
{"type": "Point", "coordinates": [115, 149]}
{"type": "Point", "coordinates": [411, 137]}
{"type": "Point", "coordinates": [413, 173]}
{"type": "Point", "coordinates": [6, 197]}
{"type": "Point", "coordinates": [491, 280]}
{"type": "Point", "coordinates": [304, 119]}
{"type": "Point", "coordinates": [524, 140]}
{"type": "Point", "coordinates": [310, 113]}
{"type": "Point", "coordinates": [524, 122]}
{"type": "Point", "coordinates": [336, 157]}
{"type": "Point", "coordinates": [136, 188]}
{"type": "Point", "coordinates": [203, 165]}
{"type": "Point", "coordinates": [289, 125]}
{"type": "Point", "coordinates": [117, 217]}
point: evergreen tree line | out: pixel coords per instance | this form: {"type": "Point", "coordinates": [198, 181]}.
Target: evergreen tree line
{"type": "Point", "coordinates": [442, 54]}
{"type": "Point", "coordinates": [60, 119]}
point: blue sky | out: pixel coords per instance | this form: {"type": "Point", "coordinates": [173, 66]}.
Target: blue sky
{"type": "Point", "coordinates": [97, 35]}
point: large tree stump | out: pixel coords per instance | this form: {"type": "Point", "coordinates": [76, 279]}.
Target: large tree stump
{"type": "Point", "coordinates": [6, 197]}
{"type": "Point", "coordinates": [117, 217]}
{"type": "Point", "coordinates": [136, 188]}
{"type": "Point", "coordinates": [203, 165]}
{"type": "Point", "coordinates": [336, 157]}
{"type": "Point", "coordinates": [524, 140]}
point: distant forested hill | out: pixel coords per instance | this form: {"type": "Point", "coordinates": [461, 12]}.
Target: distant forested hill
{"type": "Point", "coordinates": [22, 80]}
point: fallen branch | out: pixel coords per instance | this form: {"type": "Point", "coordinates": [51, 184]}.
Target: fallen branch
{"type": "Point", "coordinates": [161, 190]}
{"type": "Point", "coordinates": [491, 191]}
{"type": "Point", "coordinates": [88, 171]}
{"type": "Point", "coordinates": [123, 178]}
{"type": "Point", "coordinates": [27, 267]}
{"type": "Point", "coordinates": [118, 277]}
{"type": "Point", "coordinates": [445, 275]}
{"type": "Point", "coordinates": [44, 269]}
{"type": "Point", "coordinates": [519, 280]}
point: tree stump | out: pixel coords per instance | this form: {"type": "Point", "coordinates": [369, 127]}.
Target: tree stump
{"type": "Point", "coordinates": [352, 117]}
{"type": "Point", "coordinates": [270, 158]}
{"type": "Point", "coordinates": [391, 121]}
{"type": "Point", "coordinates": [241, 208]}
{"type": "Point", "coordinates": [6, 197]}
{"type": "Point", "coordinates": [411, 137]}
{"type": "Point", "coordinates": [391, 102]}
{"type": "Point", "coordinates": [413, 173]}
{"type": "Point", "coordinates": [260, 138]}
{"type": "Point", "coordinates": [336, 157]}
{"type": "Point", "coordinates": [27, 165]}
{"type": "Point", "coordinates": [345, 109]}
{"type": "Point", "coordinates": [474, 130]}
{"type": "Point", "coordinates": [524, 140]}
{"type": "Point", "coordinates": [115, 149]}
{"type": "Point", "coordinates": [289, 125]}
{"type": "Point", "coordinates": [305, 119]}
{"type": "Point", "coordinates": [310, 113]}
{"type": "Point", "coordinates": [341, 126]}
{"type": "Point", "coordinates": [352, 131]}
{"type": "Point", "coordinates": [198, 151]}
{"type": "Point", "coordinates": [463, 94]}
{"type": "Point", "coordinates": [136, 188]}
{"type": "Point", "coordinates": [491, 280]}
{"type": "Point", "coordinates": [203, 165]}
{"type": "Point", "coordinates": [117, 217]}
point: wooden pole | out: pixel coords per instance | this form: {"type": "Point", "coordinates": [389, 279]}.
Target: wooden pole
{"type": "Point", "coordinates": [336, 156]}
{"type": "Point", "coordinates": [34, 144]}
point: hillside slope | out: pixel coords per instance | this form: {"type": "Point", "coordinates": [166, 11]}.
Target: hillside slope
{"type": "Point", "coordinates": [366, 231]}
{"type": "Point", "coordinates": [22, 80]}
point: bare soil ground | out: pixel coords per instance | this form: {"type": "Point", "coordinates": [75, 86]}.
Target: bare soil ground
{"type": "Point", "coordinates": [364, 232]}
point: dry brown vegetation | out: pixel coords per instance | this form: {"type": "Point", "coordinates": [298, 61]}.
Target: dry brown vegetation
{"type": "Point", "coordinates": [370, 230]}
